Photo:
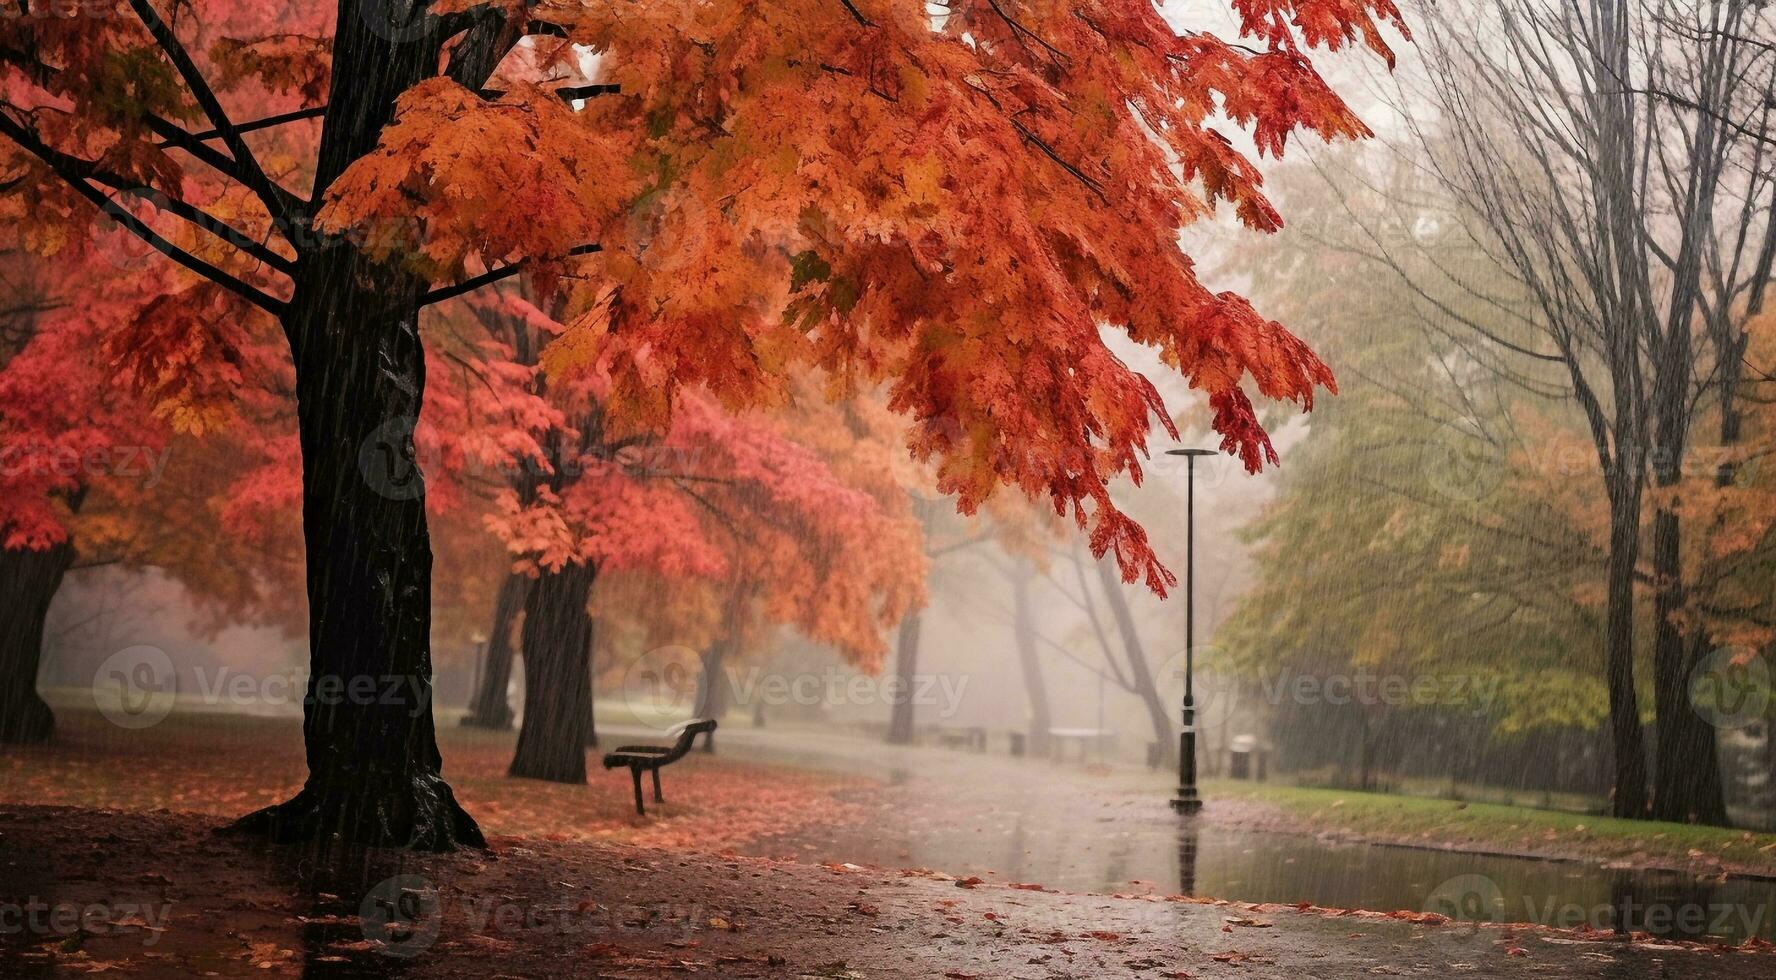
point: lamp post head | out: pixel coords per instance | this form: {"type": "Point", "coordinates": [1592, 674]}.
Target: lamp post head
{"type": "Point", "coordinates": [1191, 452]}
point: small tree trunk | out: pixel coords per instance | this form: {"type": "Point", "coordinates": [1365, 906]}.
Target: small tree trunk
{"type": "Point", "coordinates": [490, 709]}
{"type": "Point", "coordinates": [28, 582]}
{"type": "Point", "coordinates": [1365, 755]}
{"type": "Point", "coordinates": [1690, 788]}
{"type": "Point", "coordinates": [1140, 672]}
{"type": "Point", "coordinates": [557, 638]}
{"type": "Point", "coordinates": [714, 693]}
{"type": "Point", "coordinates": [1024, 629]}
{"type": "Point", "coordinates": [906, 665]}
{"type": "Point", "coordinates": [586, 702]}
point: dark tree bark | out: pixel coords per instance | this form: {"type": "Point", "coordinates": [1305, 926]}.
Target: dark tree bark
{"type": "Point", "coordinates": [374, 767]}
{"type": "Point", "coordinates": [1140, 673]}
{"type": "Point", "coordinates": [28, 582]}
{"type": "Point", "coordinates": [586, 707]}
{"type": "Point", "coordinates": [353, 326]}
{"type": "Point", "coordinates": [714, 693]}
{"type": "Point", "coordinates": [1627, 737]}
{"type": "Point", "coordinates": [1686, 767]}
{"type": "Point", "coordinates": [1023, 627]}
{"type": "Point", "coordinates": [490, 709]}
{"type": "Point", "coordinates": [557, 645]}
{"type": "Point", "coordinates": [906, 666]}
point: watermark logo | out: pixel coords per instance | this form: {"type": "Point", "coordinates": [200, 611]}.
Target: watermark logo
{"type": "Point", "coordinates": [37, 917]}
{"type": "Point", "coordinates": [1367, 688]}
{"type": "Point", "coordinates": [1459, 462]}
{"type": "Point", "coordinates": [389, 460]}
{"type": "Point", "coordinates": [1473, 899]}
{"type": "Point", "coordinates": [397, 20]}
{"type": "Point", "coordinates": [402, 915]}
{"type": "Point", "coordinates": [1730, 688]}
{"type": "Point", "coordinates": [125, 250]}
{"type": "Point", "coordinates": [1469, 899]}
{"type": "Point", "coordinates": [1170, 677]}
{"type": "Point", "coordinates": [1212, 472]}
{"type": "Point", "coordinates": [660, 687]}
{"type": "Point", "coordinates": [135, 687]}
{"type": "Point", "coordinates": [47, 458]}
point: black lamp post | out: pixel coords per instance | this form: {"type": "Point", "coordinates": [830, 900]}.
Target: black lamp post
{"type": "Point", "coordinates": [1187, 801]}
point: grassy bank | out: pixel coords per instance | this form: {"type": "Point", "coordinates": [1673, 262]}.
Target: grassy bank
{"type": "Point", "coordinates": [1508, 829]}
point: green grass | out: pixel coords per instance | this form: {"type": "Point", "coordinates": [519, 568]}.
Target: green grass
{"type": "Point", "coordinates": [1408, 819]}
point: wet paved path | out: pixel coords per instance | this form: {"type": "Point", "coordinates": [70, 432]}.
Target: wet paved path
{"type": "Point", "coordinates": [597, 910]}
{"type": "Point", "coordinates": [1109, 830]}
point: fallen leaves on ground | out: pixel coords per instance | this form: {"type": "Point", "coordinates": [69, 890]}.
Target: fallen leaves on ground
{"type": "Point", "coordinates": [228, 765]}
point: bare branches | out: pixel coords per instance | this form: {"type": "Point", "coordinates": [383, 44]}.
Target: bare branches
{"type": "Point", "coordinates": [251, 126]}
{"type": "Point", "coordinates": [443, 293]}
{"type": "Point", "coordinates": [251, 174]}
{"type": "Point", "coordinates": [27, 140]}
{"type": "Point", "coordinates": [856, 14]}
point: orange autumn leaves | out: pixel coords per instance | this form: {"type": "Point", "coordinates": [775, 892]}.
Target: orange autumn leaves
{"type": "Point", "coordinates": [952, 207]}
{"type": "Point", "coordinates": [457, 176]}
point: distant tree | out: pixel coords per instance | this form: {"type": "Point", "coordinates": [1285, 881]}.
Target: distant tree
{"type": "Point", "coordinates": [1619, 160]}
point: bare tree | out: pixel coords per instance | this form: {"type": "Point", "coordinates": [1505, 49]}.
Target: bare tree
{"type": "Point", "coordinates": [1614, 155]}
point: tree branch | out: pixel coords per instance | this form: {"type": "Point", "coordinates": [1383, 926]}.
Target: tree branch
{"type": "Point", "coordinates": [295, 115]}
{"type": "Point", "coordinates": [469, 285]}
{"type": "Point", "coordinates": [73, 168]}
{"type": "Point", "coordinates": [27, 140]}
{"type": "Point", "coordinates": [250, 172]}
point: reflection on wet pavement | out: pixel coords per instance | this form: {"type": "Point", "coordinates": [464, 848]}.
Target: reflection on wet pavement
{"type": "Point", "coordinates": [1104, 830]}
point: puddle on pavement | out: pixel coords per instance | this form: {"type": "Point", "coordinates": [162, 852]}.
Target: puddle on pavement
{"type": "Point", "coordinates": [1102, 831]}
{"type": "Point", "coordinates": [1154, 856]}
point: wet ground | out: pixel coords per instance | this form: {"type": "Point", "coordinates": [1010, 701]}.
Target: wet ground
{"type": "Point", "coordinates": [160, 895]}
{"type": "Point", "coordinates": [1102, 829]}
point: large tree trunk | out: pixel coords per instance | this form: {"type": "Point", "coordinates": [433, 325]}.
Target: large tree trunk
{"type": "Point", "coordinates": [1140, 672]}
{"type": "Point", "coordinates": [1689, 786]}
{"type": "Point", "coordinates": [557, 638]}
{"type": "Point", "coordinates": [906, 665]}
{"type": "Point", "coordinates": [374, 772]}
{"type": "Point", "coordinates": [1686, 769]}
{"type": "Point", "coordinates": [28, 582]}
{"type": "Point", "coordinates": [1024, 629]}
{"type": "Point", "coordinates": [1627, 737]}
{"type": "Point", "coordinates": [373, 762]}
{"type": "Point", "coordinates": [490, 709]}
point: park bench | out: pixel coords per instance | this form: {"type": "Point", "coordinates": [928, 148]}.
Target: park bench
{"type": "Point", "coordinates": [1087, 739]}
{"type": "Point", "coordinates": [974, 738]}
{"type": "Point", "coordinates": [654, 757]}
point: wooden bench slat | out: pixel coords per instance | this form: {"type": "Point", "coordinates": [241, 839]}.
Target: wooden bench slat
{"type": "Point", "coordinates": [652, 757]}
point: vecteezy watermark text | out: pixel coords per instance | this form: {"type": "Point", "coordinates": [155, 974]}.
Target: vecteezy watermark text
{"type": "Point", "coordinates": [126, 462]}
{"type": "Point", "coordinates": [1474, 898]}
{"type": "Point", "coordinates": [1366, 688]}
{"type": "Point", "coordinates": [664, 683]}
{"type": "Point", "coordinates": [137, 687]}
{"type": "Point", "coordinates": [404, 915]}
{"type": "Point", "coordinates": [37, 917]}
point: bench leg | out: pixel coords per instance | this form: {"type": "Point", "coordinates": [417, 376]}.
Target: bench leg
{"type": "Point", "coordinates": [636, 773]}
{"type": "Point", "coordinates": [657, 797]}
